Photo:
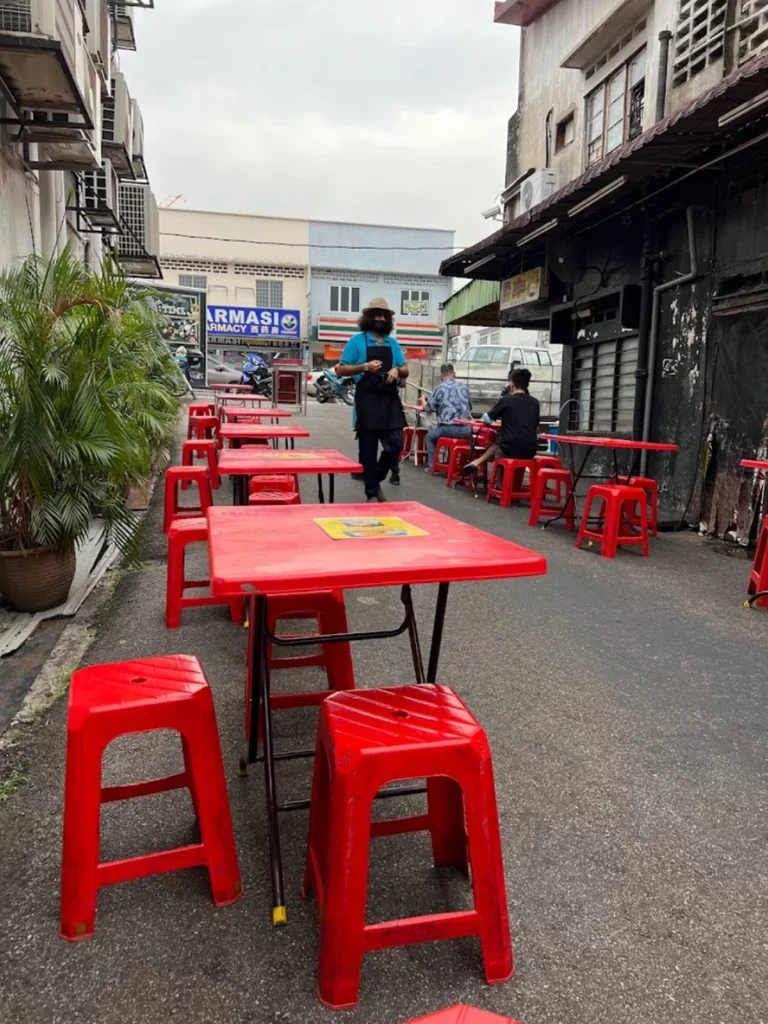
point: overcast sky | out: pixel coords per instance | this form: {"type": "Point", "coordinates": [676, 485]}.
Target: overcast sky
{"type": "Point", "coordinates": [391, 112]}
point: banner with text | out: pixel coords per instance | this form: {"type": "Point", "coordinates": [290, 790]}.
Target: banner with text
{"type": "Point", "coordinates": [253, 322]}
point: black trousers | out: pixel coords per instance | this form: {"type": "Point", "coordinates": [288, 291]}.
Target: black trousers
{"type": "Point", "coordinates": [375, 466]}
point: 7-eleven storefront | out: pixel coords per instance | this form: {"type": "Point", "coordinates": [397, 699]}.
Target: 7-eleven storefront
{"type": "Point", "coordinates": [420, 342]}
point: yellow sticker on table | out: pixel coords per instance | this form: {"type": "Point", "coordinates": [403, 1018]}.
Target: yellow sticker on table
{"type": "Point", "coordinates": [368, 527]}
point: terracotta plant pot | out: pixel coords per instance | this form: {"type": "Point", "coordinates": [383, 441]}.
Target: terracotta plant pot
{"type": "Point", "coordinates": [138, 498]}
{"type": "Point", "coordinates": [37, 579]}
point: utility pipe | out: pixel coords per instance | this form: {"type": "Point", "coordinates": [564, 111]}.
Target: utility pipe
{"type": "Point", "coordinates": [665, 38]}
{"type": "Point", "coordinates": [653, 340]}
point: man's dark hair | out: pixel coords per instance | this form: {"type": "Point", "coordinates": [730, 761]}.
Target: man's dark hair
{"type": "Point", "coordinates": [367, 321]}
{"type": "Point", "coordinates": [446, 368]}
{"type": "Point", "coordinates": [521, 378]}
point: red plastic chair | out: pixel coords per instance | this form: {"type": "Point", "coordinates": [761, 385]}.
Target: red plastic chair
{"type": "Point", "coordinates": [462, 1014]}
{"type": "Point", "coordinates": [107, 701]}
{"type": "Point", "coordinates": [206, 450]}
{"type": "Point", "coordinates": [201, 409]}
{"type": "Point", "coordinates": [547, 462]}
{"type": "Point", "coordinates": [180, 534]}
{"type": "Point", "coordinates": [204, 428]}
{"type": "Point", "coordinates": [367, 739]}
{"type": "Point", "coordinates": [328, 611]}
{"type": "Point", "coordinates": [551, 497]}
{"type": "Point", "coordinates": [273, 482]}
{"type": "Point", "coordinates": [174, 477]}
{"type": "Point", "coordinates": [454, 448]}
{"type": "Point", "coordinates": [651, 488]}
{"type": "Point", "coordinates": [274, 498]}
{"type": "Point", "coordinates": [622, 507]}
{"type": "Point", "coordinates": [408, 434]}
{"type": "Point", "coordinates": [508, 482]}
{"type": "Point", "coordinates": [758, 578]}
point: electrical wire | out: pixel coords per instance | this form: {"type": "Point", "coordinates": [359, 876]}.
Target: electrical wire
{"type": "Point", "coordinates": [314, 245]}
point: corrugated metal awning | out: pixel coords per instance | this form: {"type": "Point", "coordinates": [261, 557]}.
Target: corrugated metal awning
{"type": "Point", "coordinates": [476, 304]}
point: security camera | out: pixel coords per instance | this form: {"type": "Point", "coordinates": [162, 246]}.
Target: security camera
{"type": "Point", "coordinates": [493, 213]}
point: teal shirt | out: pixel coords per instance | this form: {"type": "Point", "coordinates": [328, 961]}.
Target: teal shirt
{"type": "Point", "coordinates": [356, 353]}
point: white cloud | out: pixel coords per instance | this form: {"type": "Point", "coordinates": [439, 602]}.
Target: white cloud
{"type": "Point", "coordinates": [337, 109]}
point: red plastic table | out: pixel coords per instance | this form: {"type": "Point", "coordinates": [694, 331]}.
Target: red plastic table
{"type": "Point", "coordinates": [423, 546]}
{"type": "Point", "coordinates": [232, 413]}
{"type": "Point", "coordinates": [237, 432]}
{"type": "Point", "coordinates": [240, 463]}
{"type": "Point", "coordinates": [615, 444]}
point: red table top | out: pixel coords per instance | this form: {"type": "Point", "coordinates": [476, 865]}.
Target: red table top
{"type": "Point", "coordinates": [256, 461]}
{"type": "Point", "coordinates": [230, 387]}
{"type": "Point", "coordinates": [255, 414]}
{"type": "Point", "coordinates": [303, 558]}
{"type": "Point", "coordinates": [228, 431]}
{"type": "Point", "coordinates": [611, 442]}
{"type": "Point", "coordinates": [754, 463]}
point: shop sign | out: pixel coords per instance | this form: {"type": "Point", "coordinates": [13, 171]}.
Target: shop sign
{"type": "Point", "coordinates": [532, 286]}
{"type": "Point", "coordinates": [332, 351]}
{"type": "Point", "coordinates": [253, 322]}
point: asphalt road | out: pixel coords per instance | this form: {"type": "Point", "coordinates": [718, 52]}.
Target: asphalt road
{"type": "Point", "coordinates": [625, 703]}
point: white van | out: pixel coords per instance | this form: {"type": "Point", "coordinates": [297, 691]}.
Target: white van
{"type": "Point", "coordinates": [485, 369]}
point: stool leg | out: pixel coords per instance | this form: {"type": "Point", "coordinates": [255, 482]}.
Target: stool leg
{"type": "Point", "coordinates": [342, 921]}
{"type": "Point", "coordinates": [80, 855]}
{"type": "Point", "coordinates": [187, 459]}
{"type": "Point", "coordinates": [316, 864]}
{"type": "Point", "coordinates": [611, 527]}
{"type": "Point", "coordinates": [333, 619]}
{"type": "Point", "coordinates": [190, 777]}
{"type": "Point", "coordinates": [213, 468]}
{"type": "Point", "coordinates": [445, 807]}
{"type": "Point", "coordinates": [584, 524]}
{"type": "Point", "coordinates": [209, 789]}
{"type": "Point", "coordinates": [174, 583]}
{"type": "Point", "coordinates": [488, 884]}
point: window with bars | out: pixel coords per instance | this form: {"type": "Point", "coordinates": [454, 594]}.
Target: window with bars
{"type": "Point", "coordinates": [614, 110]}
{"type": "Point", "coordinates": [752, 28]}
{"type": "Point", "coordinates": [603, 387]}
{"type": "Point", "coordinates": [699, 39]}
{"type": "Point", "coordinates": [345, 299]}
{"type": "Point", "coordinates": [414, 303]}
{"type": "Point", "coordinates": [269, 294]}
{"type": "Point", "coordinates": [198, 281]}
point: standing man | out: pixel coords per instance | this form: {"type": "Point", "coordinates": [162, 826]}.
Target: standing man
{"type": "Point", "coordinates": [378, 416]}
{"type": "Point", "coordinates": [451, 401]}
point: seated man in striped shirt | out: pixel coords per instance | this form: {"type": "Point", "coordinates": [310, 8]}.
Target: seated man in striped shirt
{"type": "Point", "coordinates": [451, 401]}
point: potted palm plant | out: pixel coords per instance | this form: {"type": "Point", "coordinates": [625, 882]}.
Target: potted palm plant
{"type": "Point", "coordinates": [85, 411]}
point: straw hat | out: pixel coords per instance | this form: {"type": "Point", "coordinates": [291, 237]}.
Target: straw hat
{"type": "Point", "coordinates": [378, 303]}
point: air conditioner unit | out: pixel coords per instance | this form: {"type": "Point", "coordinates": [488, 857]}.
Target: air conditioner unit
{"type": "Point", "coordinates": [118, 127]}
{"type": "Point", "coordinates": [44, 60]}
{"type": "Point", "coordinates": [64, 141]}
{"type": "Point", "coordinates": [139, 245]}
{"type": "Point", "coordinates": [139, 166]}
{"type": "Point", "coordinates": [99, 200]}
{"type": "Point", "coordinates": [99, 40]}
{"type": "Point", "coordinates": [122, 16]}
{"type": "Point", "coordinates": [540, 186]}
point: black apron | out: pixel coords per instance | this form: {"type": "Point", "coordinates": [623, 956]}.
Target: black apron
{"type": "Point", "coordinates": [377, 403]}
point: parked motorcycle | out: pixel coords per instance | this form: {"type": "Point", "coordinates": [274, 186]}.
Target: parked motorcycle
{"type": "Point", "coordinates": [328, 386]}
{"type": "Point", "coordinates": [256, 375]}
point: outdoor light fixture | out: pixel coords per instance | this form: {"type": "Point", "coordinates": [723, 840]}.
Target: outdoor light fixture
{"type": "Point", "coordinates": [538, 232]}
{"type": "Point", "coordinates": [743, 109]}
{"type": "Point", "coordinates": [480, 263]}
{"type": "Point", "coordinates": [597, 196]}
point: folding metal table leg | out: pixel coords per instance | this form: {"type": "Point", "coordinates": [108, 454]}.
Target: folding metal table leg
{"type": "Point", "coordinates": [320, 494]}
{"type": "Point", "coordinates": [437, 632]}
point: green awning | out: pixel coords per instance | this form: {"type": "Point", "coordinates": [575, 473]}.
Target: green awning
{"type": "Point", "coordinates": [476, 305]}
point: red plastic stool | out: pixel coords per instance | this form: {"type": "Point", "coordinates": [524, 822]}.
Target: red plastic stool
{"type": "Point", "coordinates": [328, 610]}
{"type": "Point", "coordinates": [276, 482]}
{"type": "Point", "coordinates": [758, 578]}
{"type": "Point", "coordinates": [201, 409]}
{"type": "Point", "coordinates": [453, 447]}
{"type": "Point", "coordinates": [619, 513]}
{"type": "Point", "coordinates": [176, 475]}
{"type": "Point", "coordinates": [651, 488]}
{"type": "Point", "coordinates": [180, 534]}
{"type": "Point", "coordinates": [204, 428]}
{"type": "Point", "coordinates": [551, 497]}
{"type": "Point", "coordinates": [547, 462]}
{"type": "Point", "coordinates": [205, 450]}
{"type": "Point", "coordinates": [408, 434]}
{"type": "Point", "coordinates": [107, 701]}
{"type": "Point", "coordinates": [508, 481]}
{"type": "Point", "coordinates": [462, 1014]}
{"type": "Point", "coordinates": [274, 498]}
{"type": "Point", "coordinates": [367, 739]}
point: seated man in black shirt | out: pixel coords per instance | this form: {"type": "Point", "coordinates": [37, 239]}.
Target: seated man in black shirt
{"type": "Point", "coordinates": [518, 412]}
